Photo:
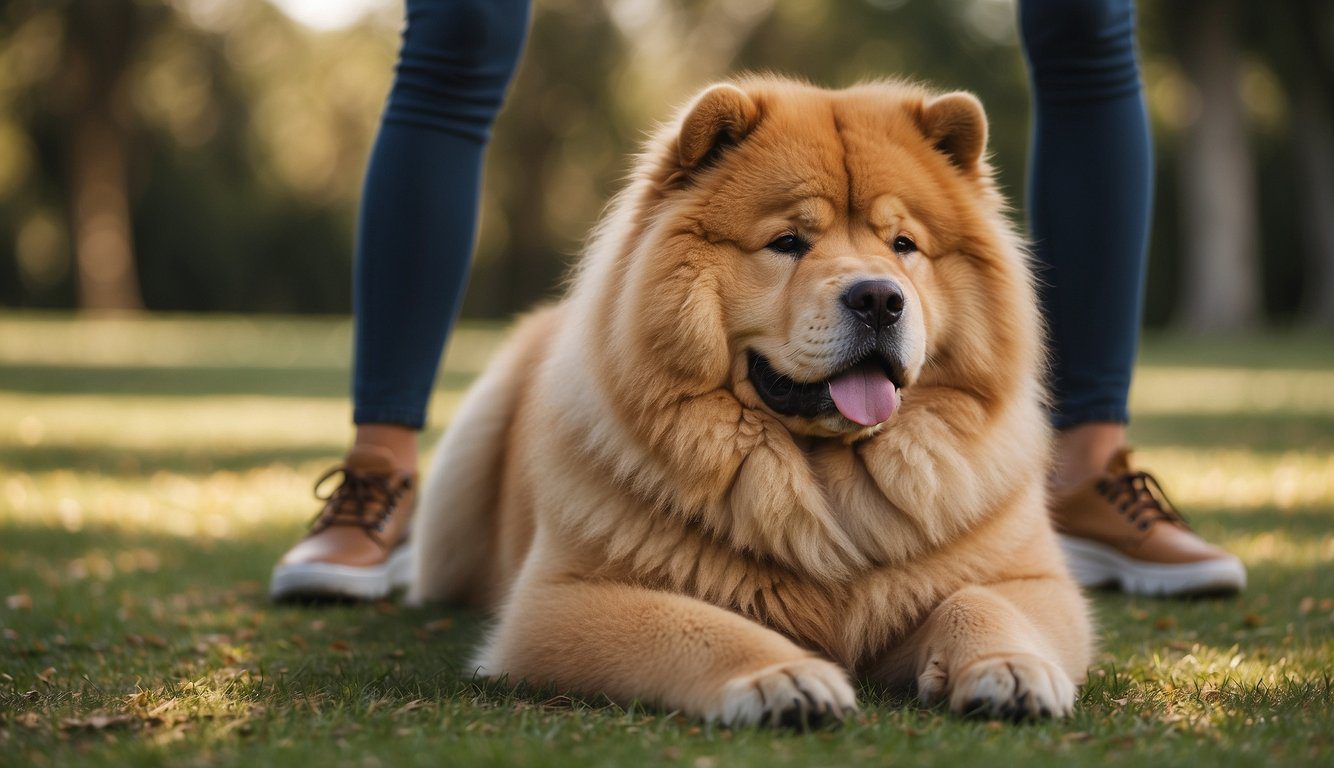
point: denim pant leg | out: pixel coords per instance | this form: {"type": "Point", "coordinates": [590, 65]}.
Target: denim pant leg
{"type": "Point", "coordinates": [419, 204]}
{"type": "Point", "coordinates": [1089, 197]}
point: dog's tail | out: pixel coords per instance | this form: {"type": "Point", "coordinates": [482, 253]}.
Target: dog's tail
{"type": "Point", "coordinates": [454, 544]}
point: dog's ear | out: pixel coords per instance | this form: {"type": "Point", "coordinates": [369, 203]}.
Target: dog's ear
{"type": "Point", "coordinates": [719, 116]}
{"type": "Point", "coordinates": [957, 126]}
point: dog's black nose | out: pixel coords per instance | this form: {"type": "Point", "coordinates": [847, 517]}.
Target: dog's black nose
{"type": "Point", "coordinates": [878, 303]}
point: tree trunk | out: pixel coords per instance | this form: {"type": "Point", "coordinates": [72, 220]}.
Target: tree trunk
{"type": "Point", "coordinates": [99, 192]}
{"type": "Point", "coordinates": [1222, 289]}
{"type": "Point", "coordinates": [101, 38]}
{"type": "Point", "coordinates": [1313, 151]}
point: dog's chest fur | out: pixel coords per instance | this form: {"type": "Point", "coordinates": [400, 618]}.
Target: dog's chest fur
{"type": "Point", "coordinates": [853, 621]}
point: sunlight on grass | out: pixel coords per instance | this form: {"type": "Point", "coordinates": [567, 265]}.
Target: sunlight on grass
{"type": "Point", "coordinates": [37, 339]}
{"type": "Point", "coordinates": [1243, 479]}
{"type": "Point", "coordinates": [1221, 391]}
{"type": "Point", "coordinates": [217, 505]}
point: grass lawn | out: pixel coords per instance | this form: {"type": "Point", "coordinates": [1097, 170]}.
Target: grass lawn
{"type": "Point", "coordinates": [151, 471]}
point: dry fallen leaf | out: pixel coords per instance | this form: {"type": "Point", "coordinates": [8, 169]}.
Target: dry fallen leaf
{"type": "Point", "coordinates": [138, 641]}
{"type": "Point", "coordinates": [28, 719]}
{"type": "Point", "coordinates": [96, 722]}
{"type": "Point", "coordinates": [439, 625]}
{"type": "Point", "coordinates": [47, 675]}
{"type": "Point", "coordinates": [339, 646]}
{"type": "Point", "coordinates": [20, 602]}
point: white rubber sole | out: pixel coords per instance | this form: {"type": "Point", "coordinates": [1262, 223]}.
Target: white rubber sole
{"type": "Point", "coordinates": [327, 580]}
{"type": "Point", "coordinates": [1097, 565]}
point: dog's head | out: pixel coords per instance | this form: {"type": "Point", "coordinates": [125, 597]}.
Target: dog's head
{"type": "Point", "coordinates": [821, 253]}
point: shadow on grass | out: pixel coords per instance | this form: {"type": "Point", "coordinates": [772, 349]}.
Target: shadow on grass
{"type": "Point", "coordinates": [1255, 432]}
{"type": "Point", "coordinates": [157, 381]}
{"type": "Point", "coordinates": [141, 462]}
{"type": "Point", "coordinates": [1308, 351]}
{"type": "Point", "coordinates": [1311, 523]}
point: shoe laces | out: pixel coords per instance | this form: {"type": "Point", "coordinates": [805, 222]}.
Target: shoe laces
{"type": "Point", "coordinates": [361, 500]}
{"type": "Point", "coordinates": [1140, 497]}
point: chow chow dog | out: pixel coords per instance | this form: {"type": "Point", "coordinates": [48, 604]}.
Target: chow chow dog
{"type": "Point", "coordinates": [786, 430]}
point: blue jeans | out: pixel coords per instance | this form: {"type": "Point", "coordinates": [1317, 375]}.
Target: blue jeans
{"type": "Point", "coordinates": [419, 203]}
{"type": "Point", "coordinates": [1090, 186]}
{"type": "Point", "coordinates": [1089, 197]}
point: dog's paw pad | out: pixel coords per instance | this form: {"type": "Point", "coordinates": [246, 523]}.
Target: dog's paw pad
{"type": "Point", "coordinates": [797, 694]}
{"type": "Point", "coordinates": [1018, 687]}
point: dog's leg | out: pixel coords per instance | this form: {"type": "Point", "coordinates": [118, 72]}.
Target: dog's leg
{"type": "Point", "coordinates": [631, 643]}
{"type": "Point", "coordinates": [1014, 649]}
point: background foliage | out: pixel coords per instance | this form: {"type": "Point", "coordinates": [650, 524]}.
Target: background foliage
{"type": "Point", "coordinates": [241, 137]}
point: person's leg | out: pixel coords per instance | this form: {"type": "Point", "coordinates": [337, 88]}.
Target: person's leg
{"type": "Point", "coordinates": [1089, 202]}
{"type": "Point", "coordinates": [419, 206]}
{"type": "Point", "coordinates": [415, 238]}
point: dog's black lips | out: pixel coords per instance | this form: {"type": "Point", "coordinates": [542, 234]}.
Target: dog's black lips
{"type": "Point", "coordinates": [807, 400]}
{"type": "Point", "coordinates": [788, 396]}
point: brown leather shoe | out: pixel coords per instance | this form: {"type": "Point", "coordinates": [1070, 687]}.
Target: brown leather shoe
{"type": "Point", "coordinates": [1119, 529]}
{"type": "Point", "coordinates": [357, 545]}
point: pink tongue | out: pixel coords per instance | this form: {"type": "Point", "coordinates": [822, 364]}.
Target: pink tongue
{"type": "Point", "coordinates": [864, 395]}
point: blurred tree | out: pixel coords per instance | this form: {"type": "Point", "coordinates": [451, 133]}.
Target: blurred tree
{"type": "Point", "coordinates": [1221, 288]}
{"type": "Point", "coordinates": [237, 138]}
{"type": "Point", "coordinates": [1308, 65]}
{"type": "Point", "coordinates": [88, 94]}
{"type": "Point", "coordinates": [212, 149]}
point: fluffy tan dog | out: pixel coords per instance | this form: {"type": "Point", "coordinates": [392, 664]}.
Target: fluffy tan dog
{"type": "Point", "coordinates": [786, 426]}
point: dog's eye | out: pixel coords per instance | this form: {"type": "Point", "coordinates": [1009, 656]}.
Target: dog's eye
{"type": "Point", "coordinates": [789, 244]}
{"type": "Point", "coordinates": [903, 245]}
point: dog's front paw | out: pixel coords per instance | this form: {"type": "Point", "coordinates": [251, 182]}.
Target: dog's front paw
{"type": "Point", "coordinates": [1017, 686]}
{"type": "Point", "coordinates": [793, 694]}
